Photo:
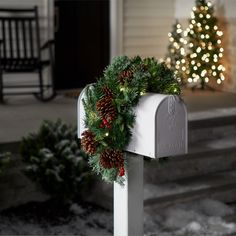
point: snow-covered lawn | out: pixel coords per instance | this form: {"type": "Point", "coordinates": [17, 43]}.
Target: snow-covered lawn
{"type": "Point", "coordinates": [201, 218]}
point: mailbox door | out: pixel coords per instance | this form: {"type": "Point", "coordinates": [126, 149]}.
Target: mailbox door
{"type": "Point", "coordinates": [171, 127]}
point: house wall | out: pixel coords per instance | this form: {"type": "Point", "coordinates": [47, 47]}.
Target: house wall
{"type": "Point", "coordinates": [145, 26]}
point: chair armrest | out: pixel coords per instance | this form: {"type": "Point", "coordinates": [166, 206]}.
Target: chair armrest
{"type": "Point", "coordinates": [48, 44]}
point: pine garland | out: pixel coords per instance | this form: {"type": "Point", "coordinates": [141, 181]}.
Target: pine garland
{"type": "Point", "coordinates": [109, 115]}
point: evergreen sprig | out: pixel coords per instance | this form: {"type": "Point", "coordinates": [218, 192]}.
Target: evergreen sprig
{"type": "Point", "coordinates": [146, 75]}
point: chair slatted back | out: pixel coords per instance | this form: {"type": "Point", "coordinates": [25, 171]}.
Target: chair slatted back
{"type": "Point", "coordinates": [19, 32]}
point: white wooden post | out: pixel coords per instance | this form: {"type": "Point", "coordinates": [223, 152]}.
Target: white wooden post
{"type": "Point", "coordinates": [128, 200]}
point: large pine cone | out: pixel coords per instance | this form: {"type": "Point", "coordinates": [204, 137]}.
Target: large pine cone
{"type": "Point", "coordinates": [126, 75]}
{"type": "Point", "coordinates": [107, 92]}
{"type": "Point", "coordinates": [88, 142]}
{"type": "Point", "coordinates": [110, 158]}
{"type": "Point", "coordinates": [106, 109]}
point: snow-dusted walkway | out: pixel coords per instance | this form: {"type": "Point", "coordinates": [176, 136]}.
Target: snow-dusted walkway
{"type": "Point", "coordinates": [202, 218]}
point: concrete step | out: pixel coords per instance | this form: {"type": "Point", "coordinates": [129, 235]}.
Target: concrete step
{"type": "Point", "coordinates": [205, 126]}
{"type": "Point", "coordinates": [219, 186]}
{"type": "Point", "coordinates": [203, 158]}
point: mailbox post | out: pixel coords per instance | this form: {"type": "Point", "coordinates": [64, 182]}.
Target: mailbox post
{"type": "Point", "coordinates": [160, 130]}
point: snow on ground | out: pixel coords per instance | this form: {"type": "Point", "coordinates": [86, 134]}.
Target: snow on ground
{"type": "Point", "coordinates": [199, 218]}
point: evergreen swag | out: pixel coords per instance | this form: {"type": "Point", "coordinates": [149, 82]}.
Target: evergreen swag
{"type": "Point", "coordinates": [109, 115]}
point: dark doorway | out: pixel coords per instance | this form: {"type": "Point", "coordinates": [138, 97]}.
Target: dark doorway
{"type": "Point", "coordinates": [81, 41]}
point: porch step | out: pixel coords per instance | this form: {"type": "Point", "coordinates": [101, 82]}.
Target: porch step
{"type": "Point", "coordinates": [219, 186]}
{"type": "Point", "coordinates": [203, 158]}
{"type": "Point", "coordinates": [211, 125]}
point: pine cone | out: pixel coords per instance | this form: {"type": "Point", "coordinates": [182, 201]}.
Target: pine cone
{"type": "Point", "coordinates": [125, 75]}
{"type": "Point", "coordinates": [106, 109]}
{"type": "Point", "coordinates": [110, 158]}
{"type": "Point", "coordinates": [88, 142]}
{"type": "Point", "coordinates": [107, 92]}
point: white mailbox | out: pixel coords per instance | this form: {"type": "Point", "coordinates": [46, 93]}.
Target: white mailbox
{"type": "Point", "coordinates": [160, 128]}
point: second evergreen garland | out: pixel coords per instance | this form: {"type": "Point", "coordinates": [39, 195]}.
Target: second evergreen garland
{"type": "Point", "coordinates": [109, 115]}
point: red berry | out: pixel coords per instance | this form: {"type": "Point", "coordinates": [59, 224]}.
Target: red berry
{"type": "Point", "coordinates": [122, 171]}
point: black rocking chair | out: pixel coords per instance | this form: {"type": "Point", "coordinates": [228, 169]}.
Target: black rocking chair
{"type": "Point", "coordinates": [21, 52]}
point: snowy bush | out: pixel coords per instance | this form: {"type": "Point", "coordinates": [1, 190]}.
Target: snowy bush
{"type": "Point", "coordinates": [55, 161]}
{"type": "Point", "coordinates": [4, 161]}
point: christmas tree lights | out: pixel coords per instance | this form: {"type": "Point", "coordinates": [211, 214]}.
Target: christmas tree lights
{"type": "Point", "coordinates": [204, 44]}
{"type": "Point", "coordinates": [175, 58]}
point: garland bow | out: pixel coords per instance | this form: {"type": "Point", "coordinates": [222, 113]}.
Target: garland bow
{"type": "Point", "coordinates": [109, 115]}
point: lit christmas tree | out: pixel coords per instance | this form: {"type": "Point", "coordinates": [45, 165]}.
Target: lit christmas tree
{"type": "Point", "coordinates": [175, 57]}
{"type": "Point", "coordinates": [204, 43]}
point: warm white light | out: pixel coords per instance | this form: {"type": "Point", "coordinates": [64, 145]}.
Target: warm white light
{"type": "Point", "coordinates": [203, 73]}
{"type": "Point", "coordinates": [219, 33]}
{"type": "Point", "coordinates": [207, 36]}
{"type": "Point", "coordinates": [191, 45]}
{"type": "Point", "coordinates": [191, 32]}
{"type": "Point", "coordinates": [192, 62]}
{"type": "Point", "coordinates": [209, 47]}
{"type": "Point", "coordinates": [179, 31]}
{"type": "Point", "coordinates": [222, 77]}
{"type": "Point", "coordinates": [199, 50]}
{"type": "Point", "coordinates": [215, 27]}
{"type": "Point", "coordinates": [214, 73]}
{"type": "Point", "coordinates": [190, 80]}
{"type": "Point", "coordinates": [213, 67]}
{"type": "Point", "coordinates": [198, 64]}
{"type": "Point", "coordinates": [219, 41]}
{"type": "Point", "coordinates": [221, 49]}
{"type": "Point", "coordinates": [194, 8]}
{"type": "Point", "coordinates": [192, 15]}
{"type": "Point", "coordinates": [206, 79]}
{"type": "Point", "coordinates": [202, 8]}
{"type": "Point", "coordinates": [193, 21]}
{"type": "Point", "coordinates": [201, 15]}
{"type": "Point", "coordinates": [208, 16]}
{"type": "Point", "coordinates": [190, 26]}
{"type": "Point", "coordinates": [207, 60]}
{"type": "Point", "coordinates": [195, 67]}
{"type": "Point", "coordinates": [107, 134]}
{"type": "Point", "coordinates": [206, 8]}
{"type": "Point", "coordinates": [171, 39]}
{"type": "Point", "coordinates": [215, 59]}
{"type": "Point", "coordinates": [202, 36]}
{"type": "Point", "coordinates": [177, 62]}
{"type": "Point", "coordinates": [199, 24]}
{"type": "Point", "coordinates": [183, 68]}
{"type": "Point", "coordinates": [169, 34]}
{"type": "Point", "coordinates": [219, 81]}
{"type": "Point", "coordinates": [209, 4]}
{"type": "Point", "coordinates": [183, 60]}
{"type": "Point", "coordinates": [220, 54]}
{"type": "Point", "coordinates": [178, 26]}
{"type": "Point", "coordinates": [207, 27]}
